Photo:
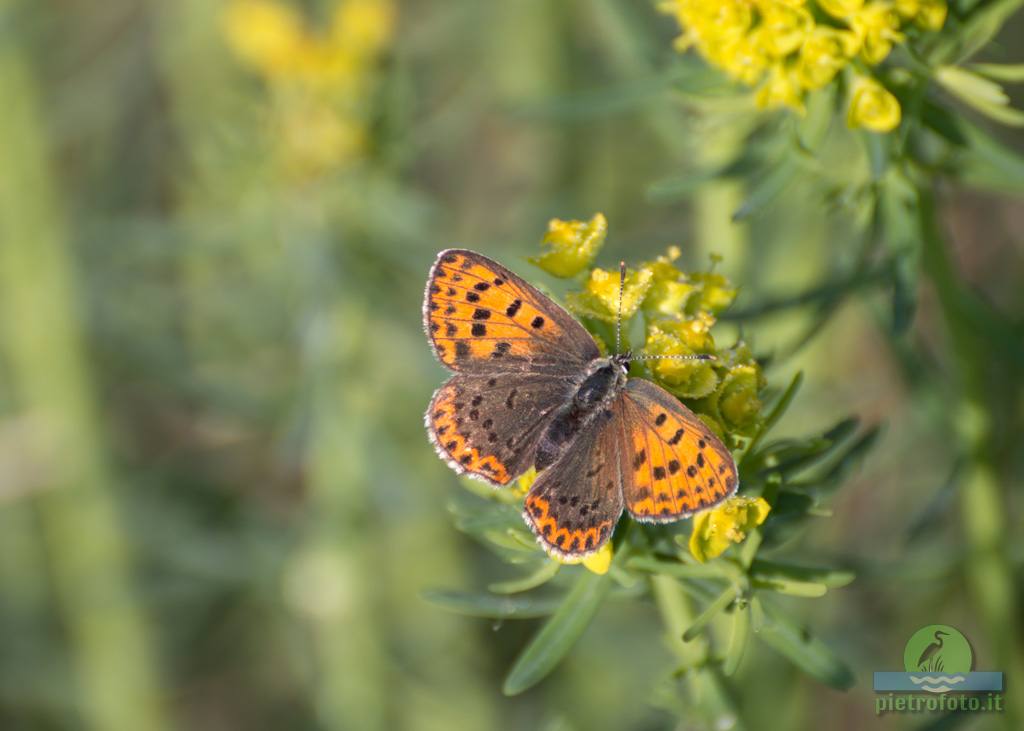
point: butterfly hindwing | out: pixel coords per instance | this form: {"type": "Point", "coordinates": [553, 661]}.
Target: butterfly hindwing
{"type": "Point", "coordinates": [480, 317]}
{"type": "Point", "coordinates": [676, 464]}
{"type": "Point", "coordinates": [488, 425]}
{"type": "Point", "coordinates": [574, 504]}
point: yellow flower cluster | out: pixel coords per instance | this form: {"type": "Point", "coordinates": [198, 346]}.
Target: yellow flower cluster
{"type": "Point", "coordinates": [716, 529]}
{"type": "Point", "coordinates": [789, 47]}
{"type": "Point", "coordinates": [321, 80]}
{"type": "Point", "coordinates": [679, 309]}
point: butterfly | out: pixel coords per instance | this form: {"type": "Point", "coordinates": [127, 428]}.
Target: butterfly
{"type": "Point", "coordinates": [531, 389]}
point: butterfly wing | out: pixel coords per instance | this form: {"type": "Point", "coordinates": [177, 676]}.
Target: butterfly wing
{"type": "Point", "coordinates": [574, 504]}
{"type": "Point", "coordinates": [482, 318]}
{"type": "Point", "coordinates": [677, 466]}
{"type": "Point", "coordinates": [488, 425]}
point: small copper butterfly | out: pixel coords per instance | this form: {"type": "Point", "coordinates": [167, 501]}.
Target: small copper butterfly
{"type": "Point", "coordinates": [531, 389]}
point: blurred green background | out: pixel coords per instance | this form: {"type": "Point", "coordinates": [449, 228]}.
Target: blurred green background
{"type": "Point", "coordinates": [218, 506]}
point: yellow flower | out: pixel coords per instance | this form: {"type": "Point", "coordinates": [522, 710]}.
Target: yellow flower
{"type": "Point", "coordinates": [267, 35]}
{"type": "Point", "coordinates": [715, 293]}
{"type": "Point", "coordinates": [598, 562]}
{"type": "Point", "coordinates": [840, 8]}
{"type": "Point", "coordinates": [315, 138]}
{"type": "Point", "coordinates": [872, 107]}
{"type": "Point", "coordinates": [600, 295]}
{"type": "Point", "coordinates": [931, 14]}
{"type": "Point", "coordinates": [670, 290]}
{"type": "Point", "coordinates": [781, 89]}
{"type": "Point", "coordinates": [362, 27]}
{"type": "Point", "coordinates": [574, 244]}
{"type": "Point", "coordinates": [716, 529]}
{"type": "Point", "coordinates": [782, 28]}
{"type": "Point", "coordinates": [525, 482]}
{"type": "Point", "coordinates": [736, 404]}
{"type": "Point", "coordinates": [876, 25]}
{"type": "Point", "coordinates": [824, 53]}
{"type": "Point", "coordinates": [686, 378]}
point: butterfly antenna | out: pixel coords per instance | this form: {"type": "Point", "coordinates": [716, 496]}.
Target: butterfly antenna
{"type": "Point", "coordinates": [618, 316]}
{"type": "Point", "coordinates": [692, 356]}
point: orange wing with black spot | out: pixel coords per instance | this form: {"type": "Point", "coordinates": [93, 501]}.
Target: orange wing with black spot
{"type": "Point", "coordinates": [480, 317]}
{"type": "Point", "coordinates": [574, 504]}
{"type": "Point", "coordinates": [676, 464]}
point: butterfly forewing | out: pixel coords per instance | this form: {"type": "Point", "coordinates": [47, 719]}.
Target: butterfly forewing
{"type": "Point", "coordinates": [574, 504]}
{"type": "Point", "coordinates": [480, 317]}
{"type": "Point", "coordinates": [676, 464]}
{"type": "Point", "coordinates": [488, 425]}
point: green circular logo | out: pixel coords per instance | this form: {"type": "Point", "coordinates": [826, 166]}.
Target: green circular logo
{"type": "Point", "coordinates": [938, 648]}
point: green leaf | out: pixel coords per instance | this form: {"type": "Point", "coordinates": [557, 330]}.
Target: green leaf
{"type": "Point", "coordinates": [978, 29]}
{"type": "Point", "coordinates": [777, 412]}
{"type": "Point", "coordinates": [804, 650]}
{"type": "Point", "coordinates": [542, 575]}
{"type": "Point", "coordinates": [737, 639]}
{"type": "Point", "coordinates": [790, 458]}
{"type": "Point", "coordinates": [845, 463]}
{"type": "Point", "coordinates": [904, 292]}
{"type": "Point", "coordinates": [765, 190]}
{"type": "Point", "coordinates": [558, 634]}
{"type": "Point", "coordinates": [710, 612]}
{"type": "Point", "coordinates": [763, 570]}
{"type": "Point", "coordinates": [712, 570]}
{"type": "Point", "coordinates": [1011, 73]}
{"type": "Point", "coordinates": [490, 605]}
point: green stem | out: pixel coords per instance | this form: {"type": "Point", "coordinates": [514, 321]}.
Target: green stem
{"type": "Point", "coordinates": [988, 569]}
{"type": "Point", "coordinates": [707, 688]}
{"type": "Point", "coordinates": [46, 362]}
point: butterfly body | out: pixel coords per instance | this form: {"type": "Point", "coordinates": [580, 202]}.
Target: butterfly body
{"type": "Point", "coordinates": [531, 389]}
{"type": "Point", "coordinates": [603, 380]}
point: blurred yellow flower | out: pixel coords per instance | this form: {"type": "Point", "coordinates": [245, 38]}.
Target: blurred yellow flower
{"type": "Point", "coordinates": [267, 35]}
{"type": "Point", "coordinates": [840, 9]}
{"type": "Point", "coordinates": [716, 529]}
{"type": "Point", "coordinates": [782, 89]}
{"type": "Point", "coordinates": [574, 244]}
{"type": "Point", "coordinates": [783, 27]}
{"type": "Point", "coordinates": [927, 14]}
{"type": "Point", "coordinates": [787, 48]}
{"type": "Point", "coordinates": [321, 80]}
{"type": "Point", "coordinates": [824, 53]}
{"type": "Point", "coordinates": [872, 107]}
{"type": "Point", "coordinates": [876, 26]}
{"type": "Point", "coordinates": [600, 296]}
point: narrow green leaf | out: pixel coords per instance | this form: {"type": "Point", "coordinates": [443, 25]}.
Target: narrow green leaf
{"type": "Point", "coordinates": [710, 612]}
{"type": "Point", "coordinates": [764, 570]}
{"type": "Point", "coordinates": [490, 605]}
{"type": "Point", "coordinates": [558, 634]}
{"type": "Point", "coordinates": [737, 639]}
{"type": "Point", "coordinates": [804, 650]}
{"type": "Point", "coordinates": [542, 575]}
{"type": "Point", "coordinates": [1011, 73]}
{"type": "Point", "coordinates": [774, 415]}
{"type": "Point", "coordinates": [791, 460]}
{"type": "Point", "coordinates": [765, 190]}
{"type": "Point", "coordinates": [806, 589]}
{"type": "Point", "coordinates": [713, 570]}
{"type": "Point", "coordinates": [984, 161]}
